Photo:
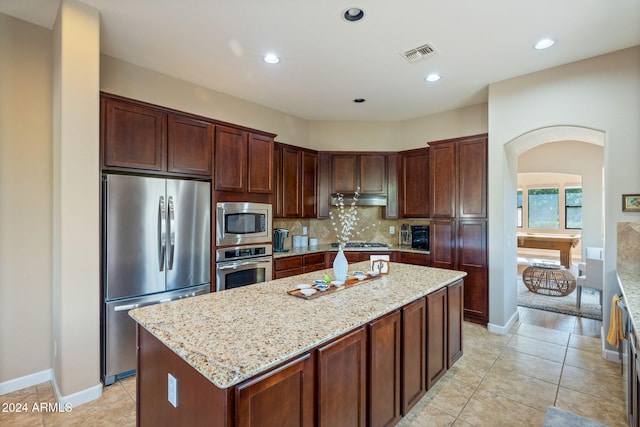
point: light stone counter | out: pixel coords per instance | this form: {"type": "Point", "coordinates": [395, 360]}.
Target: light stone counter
{"type": "Point", "coordinates": [232, 335]}
{"type": "Point", "coordinates": [328, 248]}
{"type": "Point", "coordinates": [630, 286]}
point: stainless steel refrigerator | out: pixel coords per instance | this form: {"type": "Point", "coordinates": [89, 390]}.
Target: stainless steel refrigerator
{"type": "Point", "coordinates": [156, 236]}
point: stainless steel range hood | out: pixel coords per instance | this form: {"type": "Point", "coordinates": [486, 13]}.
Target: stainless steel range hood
{"type": "Point", "coordinates": [363, 199]}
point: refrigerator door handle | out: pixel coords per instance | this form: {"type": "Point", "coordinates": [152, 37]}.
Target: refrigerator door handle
{"type": "Point", "coordinates": [162, 237]}
{"type": "Point", "coordinates": [172, 232]}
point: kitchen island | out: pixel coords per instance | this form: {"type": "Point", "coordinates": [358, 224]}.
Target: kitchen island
{"type": "Point", "coordinates": [258, 356]}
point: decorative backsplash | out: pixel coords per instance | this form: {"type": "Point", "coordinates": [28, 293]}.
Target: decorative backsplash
{"type": "Point", "coordinates": [370, 217]}
{"type": "Point", "coordinates": [628, 247]}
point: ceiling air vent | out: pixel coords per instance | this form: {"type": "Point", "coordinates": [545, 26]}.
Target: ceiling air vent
{"type": "Point", "coordinates": [419, 53]}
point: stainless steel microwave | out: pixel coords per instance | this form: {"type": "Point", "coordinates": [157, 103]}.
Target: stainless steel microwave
{"type": "Point", "coordinates": [241, 223]}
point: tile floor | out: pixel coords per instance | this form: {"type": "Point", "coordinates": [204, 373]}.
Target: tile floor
{"type": "Point", "coordinates": [502, 380]}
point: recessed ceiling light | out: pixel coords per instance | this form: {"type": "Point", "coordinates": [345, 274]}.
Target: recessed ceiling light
{"type": "Point", "coordinates": [353, 14]}
{"type": "Point", "coordinates": [432, 78]}
{"type": "Point", "coordinates": [359, 100]}
{"type": "Point", "coordinates": [271, 58]}
{"type": "Point", "coordinates": [544, 44]}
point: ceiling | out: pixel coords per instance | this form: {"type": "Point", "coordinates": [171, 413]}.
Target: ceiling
{"type": "Point", "coordinates": [326, 62]}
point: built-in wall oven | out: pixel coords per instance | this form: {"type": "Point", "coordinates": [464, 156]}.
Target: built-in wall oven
{"type": "Point", "coordinates": [243, 223]}
{"type": "Point", "coordinates": [243, 265]}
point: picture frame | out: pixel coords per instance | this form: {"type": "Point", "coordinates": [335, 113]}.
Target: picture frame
{"type": "Point", "coordinates": [631, 203]}
{"type": "Point", "coordinates": [380, 263]}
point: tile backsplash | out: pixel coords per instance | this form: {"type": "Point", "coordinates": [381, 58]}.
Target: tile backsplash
{"type": "Point", "coordinates": [372, 226]}
{"type": "Point", "coordinates": [628, 247]}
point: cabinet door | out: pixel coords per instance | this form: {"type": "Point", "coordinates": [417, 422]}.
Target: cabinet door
{"type": "Point", "coordinates": [442, 180]}
{"type": "Point", "coordinates": [285, 397]}
{"type": "Point", "coordinates": [342, 382]}
{"type": "Point", "coordinates": [391, 211]}
{"type": "Point", "coordinates": [291, 184]}
{"type": "Point", "coordinates": [230, 160]}
{"type": "Point", "coordinates": [189, 145]}
{"type": "Point", "coordinates": [455, 299]}
{"type": "Point", "coordinates": [436, 336]}
{"type": "Point", "coordinates": [373, 174]}
{"type": "Point", "coordinates": [309, 183]}
{"type": "Point", "coordinates": [277, 181]}
{"type": "Point", "coordinates": [415, 184]}
{"type": "Point", "coordinates": [259, 164]}
{"type": "Point", "coordinates": [133, 136]}
{"type": "Point", "coordinates": [472, 178]}
{"type": "Point", "coordinates": [414, 347]}
{"type": "Point", "coordinates": [344, 173]}
{"type": "Point", "coordinates": [472, 258]}
{"type": "Point", "coordinates": [384, 370]}
{"type": "Point", "coordinates": [442, 243]}
{"type": "Point", "coordinates": [324, 185]}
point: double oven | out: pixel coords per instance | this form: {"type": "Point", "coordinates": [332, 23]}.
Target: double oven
{"type": "Point", "coordinates": [244, 244]}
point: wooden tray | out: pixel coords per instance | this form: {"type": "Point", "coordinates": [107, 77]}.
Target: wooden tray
{"type": "Point", "coordinates": [347, 284]}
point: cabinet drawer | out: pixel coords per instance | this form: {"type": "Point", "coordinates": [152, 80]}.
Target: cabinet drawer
{"type": "Point", "coordinates": [413, 258]}
{"type": "Point", "coordinates": [313, 259]}
{"type": "Point", "coordinates": [313, 267]}
{"type": "Point", "coordinates": [287, 273]}
{"type": "Point", "coordinates": [288, 263]}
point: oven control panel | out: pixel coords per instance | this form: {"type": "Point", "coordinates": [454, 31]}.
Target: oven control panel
{"type": "Point", "coordinates": [240, 252]}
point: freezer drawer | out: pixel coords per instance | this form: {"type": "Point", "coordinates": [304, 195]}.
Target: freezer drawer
{"type": "Point", "coordinates": [119, 335]}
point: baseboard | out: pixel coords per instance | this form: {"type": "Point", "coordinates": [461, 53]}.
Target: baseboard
{"type": "Point", "coordinates": [503, 330]}
{"type": "Point", "coordinates": [609, 355]}
{"type": "Point", "coordinates": [77, 398]}
{"type": "Point", "coordinates": [26, 381]}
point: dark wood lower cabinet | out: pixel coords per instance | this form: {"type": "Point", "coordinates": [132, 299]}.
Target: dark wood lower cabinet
{"type": "Point", "coordinates": [455, 300]}
{"type": "Point", "coordinates": [436, 336]}
{"type": "Point", "coordinates": [413, 351]}
{"type": "Point", "coordinates": [342, 381]}
{"type": "Point", "coordinates": [384, 370]}
{"type": "Point", "coordinates": [372, 375]}
{"type": "Point", "coordinates": [280, 398]}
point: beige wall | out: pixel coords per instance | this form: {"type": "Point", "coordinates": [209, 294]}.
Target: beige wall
{"type": "Point", "coordinates": [599, 95]}
{"type": "Point", "coordinates": [578, 158]}
{"type": "Point", "coordinates": [25, 198]}
{"type": "Point", "coordinates": [76, 201]}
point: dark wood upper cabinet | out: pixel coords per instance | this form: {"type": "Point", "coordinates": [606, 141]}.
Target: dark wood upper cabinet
{"type": "Point", "coordinates": [260, 168]}
{"type": "Point", "coordinates": [373, 174]}
{"type": "Point", "coordinates": [189, 145]}
{"type": "Point", "coordinates": [291, 183]}
{"type": "Point", "coordinates": [414, 183]}
{"type": "Point", "coordinates": [147, 138]}
{"type": "Point", "coordinates": [243, 161]}
{"type": "Point", "coordinates": [472, 178]}
{"type": "Point", "coordinates": [367, 171]}
{"type": "Point", "coordinates": [344, 173]}
{"type": "Point", "coordinates": [309, 184]}
{"type": "Point", "coordinates": [230, 160]}
{"type": "Point", "coordinates": [442, 169]}
{"type": "Point", "coordinates": [277, 181]}
{"type": "Point", "coordinates": [458, 177]}
{"type": "Point", "coordinates": [296, 175]}
{"type": "Point", "coordinates": [133, 136]}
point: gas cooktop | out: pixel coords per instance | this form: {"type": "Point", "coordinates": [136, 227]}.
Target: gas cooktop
{"type": "Point", "coordinates": [361, 245]}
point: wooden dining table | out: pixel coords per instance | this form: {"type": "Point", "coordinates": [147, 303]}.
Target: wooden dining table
{"type": "Point", "coordinates": [559, 242]}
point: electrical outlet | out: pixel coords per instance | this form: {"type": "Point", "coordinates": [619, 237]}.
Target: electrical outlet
{"type": "Point", "coordinates": [392, 229]}
{"type": "Point", "coordinates": [172, 390]}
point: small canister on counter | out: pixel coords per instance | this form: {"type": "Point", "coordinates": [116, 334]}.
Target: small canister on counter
{"type": "Point", "coordinates": [313, 242]}
{"type": "Point", "coordinates": [300, 241]}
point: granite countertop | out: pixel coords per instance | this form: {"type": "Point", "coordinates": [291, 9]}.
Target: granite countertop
{"type": "Point", "coordinates": [630, 286]}
{"type": "Point", "coordinates": [233, 335]}
{"type": "Point", "coordinates": [327, 248]}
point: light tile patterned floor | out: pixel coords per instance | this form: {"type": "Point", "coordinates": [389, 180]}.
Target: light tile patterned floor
{"type": "Point", "coordinates": [502, 380]}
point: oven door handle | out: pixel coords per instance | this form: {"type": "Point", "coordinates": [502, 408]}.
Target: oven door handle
{"type": "Point", "coordinates": [240, 264]}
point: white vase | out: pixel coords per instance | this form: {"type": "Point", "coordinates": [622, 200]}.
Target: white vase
{"type": "Point", "coordinates": [340, 266]}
